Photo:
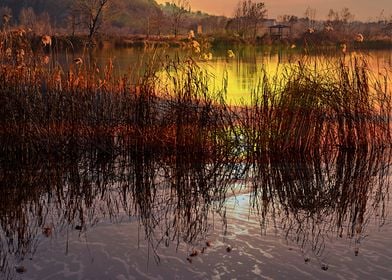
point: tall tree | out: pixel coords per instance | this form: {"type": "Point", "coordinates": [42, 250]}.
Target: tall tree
{"type": "Point", "coordinates": [310, 15]}
{"type": "Point", "coordinates": [156, 21]}
{"type": "Point", "coordinates": [6, 15]}
{"type": "Point", "coordinates": [178, 10]}
{"type": "Point", "coordinates": [92, 14]}
{"type": "Point", "coordinates": [27, 18]}
{"type": "Point", "coordinates": [249, 15]}
{"type": "Point", "coordinates": [346, 15]}
{"type": "Point", "coordinates": [339, 20]}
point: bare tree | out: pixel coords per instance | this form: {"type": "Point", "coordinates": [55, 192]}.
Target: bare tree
{"type": "Point", "coordinates": [39, 24]}
{"type": "Point", "coordinates": [178, 10]}
{"type": "Point", "coordinates": [74, 19]}
{"type": "Point", "coordinates": [339, 20]}
{"type": "Point", "coordinates": [346, 18]}
{"type": "Point", "coordinates": [155, 21]}
{"type": "Point", "coordinates": [288, 19]}
{"type": "Point", "coordinates": [333, 20]}
{"type": "Point", "coordinates": [27, 18]}
{"type": "Point", "coordinates": [346, 15]}
{"type": "Point", "coordinates": [6, 15]}
{"type": "Point", "coordinates": [310, 15]}
{"type": "Point", "coordinates": [332, 16]}
{"type": "Point", "coordinates": [248, 16]}
{"type": "Point", "coordinates": [43, 25]}
{"type": "Point", "coordinates": [92, 14]}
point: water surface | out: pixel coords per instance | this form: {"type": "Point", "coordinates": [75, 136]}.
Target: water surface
{"type": "Point", "coordinates": [144, 217]}
{"type": "Point", "coordinates": [136, 213]}
{"type": "Point", "coordinates": [244, 72]}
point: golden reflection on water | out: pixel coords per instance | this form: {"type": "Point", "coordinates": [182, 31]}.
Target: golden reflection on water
{"type": "Point", "coordinates": [242, 76]}
{"type": "Point", "coordinates": [175, 193]}
{"type": "Point", "coordinates": [245, 71]}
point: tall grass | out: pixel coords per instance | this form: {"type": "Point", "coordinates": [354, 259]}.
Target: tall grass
{"type": "Point", "coordinates": [171, 148]}
{"type": "Point", "coordinates": [52, 110]}
{"type": "Point", "coordinates": [311, 106]}
{"type": "Point", "coordinates": [318, 106]}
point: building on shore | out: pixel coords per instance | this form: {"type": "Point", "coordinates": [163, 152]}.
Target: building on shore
{"type": "Point", "coordinates": [279, 31]}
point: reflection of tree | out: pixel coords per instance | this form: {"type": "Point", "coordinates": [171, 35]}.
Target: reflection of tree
{"type": "Point", "coordinates": [322, 197]}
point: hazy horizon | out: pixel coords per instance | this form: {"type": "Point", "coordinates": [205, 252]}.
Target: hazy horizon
{"type": "Point", "coordinates": [364, 10]}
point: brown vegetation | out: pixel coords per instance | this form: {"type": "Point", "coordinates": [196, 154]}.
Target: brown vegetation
{"type": "Point", "coordinates": [171, 105]}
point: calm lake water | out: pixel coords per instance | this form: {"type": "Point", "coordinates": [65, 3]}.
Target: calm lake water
{"type": "Point", "coordinates": [244, 71]}
{"type": "Point", "coordinates": [144, 216]}
{"type": "Point", "coordinates": [147, 218]}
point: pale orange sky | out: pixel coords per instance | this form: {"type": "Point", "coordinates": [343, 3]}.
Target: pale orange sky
{"type": "Point", "coordinates": [362, 9]}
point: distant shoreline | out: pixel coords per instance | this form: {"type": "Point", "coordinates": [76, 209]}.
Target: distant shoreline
{"type": "Point", "coordinates": [314, 42]}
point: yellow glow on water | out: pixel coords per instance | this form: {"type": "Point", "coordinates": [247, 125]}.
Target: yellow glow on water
{"type": "Point", "coordinates": [242, 77]}
{"type": "Point", "coordinates": [245, 68]}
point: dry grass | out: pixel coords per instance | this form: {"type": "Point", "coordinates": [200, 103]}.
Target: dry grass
{"type": "Point", "coordinates": [165, 138]}
{"type": "Point", "coordinates": [314, 106]}
{"type": "Point", "coordinates": [318, 107]}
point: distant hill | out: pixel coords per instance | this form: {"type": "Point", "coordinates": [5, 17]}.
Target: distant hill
{"type": "Point", "coordinates": [130, 15]}
{"type": "Point", "coordinates": [122, 17]}
{"type": "Point", "coordinates": [57, 9]}
{"type": "Point", "coordinates": [133, 15]}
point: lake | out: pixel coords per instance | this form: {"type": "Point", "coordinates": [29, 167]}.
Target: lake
{"type": "Point", "coordinates": [144, 217]}
{"type": "Point", "coordinates": [140, 213]}
{"type": "Point", "coordinates": [244, 71]}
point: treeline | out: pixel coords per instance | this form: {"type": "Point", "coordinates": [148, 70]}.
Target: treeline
{"type": "Point", "coordinates": [117, 16]}
{"type": "Point", "coordinates": [76, 15]}
{"type": "Point", "coordinates": [176, 18]}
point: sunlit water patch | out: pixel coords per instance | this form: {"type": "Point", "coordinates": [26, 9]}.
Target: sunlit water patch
{"type": "Point", "coordinates": [241, 74]}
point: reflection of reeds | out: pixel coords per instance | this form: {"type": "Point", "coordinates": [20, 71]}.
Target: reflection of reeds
{"type": "Point", "coordinates": [322, 197]}
{"type": "Point", "coordinates": [309, 198]}
{"type": "Point", "coordinates": [170, 148]}
{"type": "Point", "coordinates": [171, 200]}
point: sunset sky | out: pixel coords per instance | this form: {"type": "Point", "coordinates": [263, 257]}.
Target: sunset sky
{"type": "Point", "coordinates": [362, 9]}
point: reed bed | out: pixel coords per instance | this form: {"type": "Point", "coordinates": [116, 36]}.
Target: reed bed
{"type": "Point", "coordinates": [318, 106]}
{"type": "Point", "coordinates": [164, 146]}
{"type": "Point", "coordinates": [310, 106]}
{"type": "Point", "coordinates": [50, 110]}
